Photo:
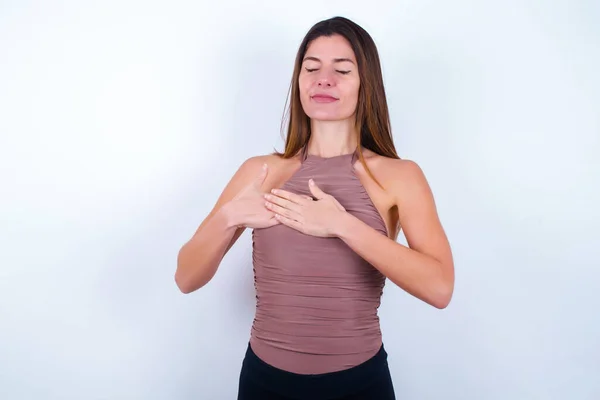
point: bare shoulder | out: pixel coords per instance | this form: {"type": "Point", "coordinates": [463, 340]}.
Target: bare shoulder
{"type": "Point", "coordinates": [256, 162]}
{"type": "Point", "coordinates": [252, 165]}
{"type": "Point", "coordinates": [404, 178]}
{"type": "Point", "coordinates": [396, 175]}
{"type": "Point", "coordinates": [417, 211]}
{"type": "Point", "coordinates": [276, 168]}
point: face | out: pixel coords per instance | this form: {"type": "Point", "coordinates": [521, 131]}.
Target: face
{"type": "Point", "coordinates": [329, 80]}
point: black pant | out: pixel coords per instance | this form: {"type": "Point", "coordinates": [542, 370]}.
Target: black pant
{"type": "Point", "coordinates": [370, 380]}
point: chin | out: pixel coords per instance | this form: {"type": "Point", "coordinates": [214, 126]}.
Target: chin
{"type": "Point", "coordinates": [319, 115]}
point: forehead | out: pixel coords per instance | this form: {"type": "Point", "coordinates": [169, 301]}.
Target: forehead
{"type": "Point", "coordinates": [330, 47]}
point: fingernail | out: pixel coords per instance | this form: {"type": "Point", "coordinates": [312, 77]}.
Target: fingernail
{"type": "Point", "coordinates": [264, 166]}
{"type": "Point", "coordinates": [311, 182]}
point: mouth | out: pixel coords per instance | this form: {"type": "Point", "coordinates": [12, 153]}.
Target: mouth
{"type": "Point", "coordinates": [323, 98]}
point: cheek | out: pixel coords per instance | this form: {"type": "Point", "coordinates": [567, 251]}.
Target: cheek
{"type": "Point", "coordinates": [303, 87]}
{"type": "Point", "coordinates": [304, 82]}
{"type": "Point", "coordinates": [352, 96]}
{"type": "Point", "coordinates": [354, 91]}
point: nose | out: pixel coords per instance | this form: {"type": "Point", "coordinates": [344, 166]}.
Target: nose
{"type": "Point", "coordinates": [325, 79]}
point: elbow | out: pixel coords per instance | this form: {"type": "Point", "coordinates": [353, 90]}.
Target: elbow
{"type": "Point", "coordinates": [441, 303]}
{"type": "Point", "coordinates": [183, 279]}
{"type": "Point", "coordinates": [443, 290]}
{"type": "Point", "coordinates": [180, 278]}
{"type": "Point", "coordinates": [187, 282]}
{"type": "Point", "coordinates": [183, 286]}
{"type": "Point", "coordinates": [442, 296]}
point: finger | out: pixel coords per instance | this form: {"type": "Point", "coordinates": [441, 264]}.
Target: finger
{"type": "Point", "coordinates": [293, 197]}
{"type": "Point", "coordinates": [280, 201]}
{"type": "Point", "coordinates": [272, 221]}
{"type": "Point", "coordinates": [315, 190]}
{"type": "Point", "coordinates": [289, 222]}
{"type": "Point", "coordinates": [261, 176]}
{"type": "Point", "coordinates": [282, 211]}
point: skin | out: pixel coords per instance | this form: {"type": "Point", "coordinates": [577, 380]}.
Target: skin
{"type": "Point", "coordinates": [424, 268]}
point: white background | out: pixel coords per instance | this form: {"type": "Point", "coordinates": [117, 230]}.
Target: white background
{"type": "Point", "coordinates": [121, 122]}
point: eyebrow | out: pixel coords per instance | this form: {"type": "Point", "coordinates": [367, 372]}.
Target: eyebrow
{"type": "Point", "coordinates": [335, 60]}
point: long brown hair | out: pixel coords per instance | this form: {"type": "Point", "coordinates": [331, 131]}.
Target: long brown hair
{"type": "Point", "coordinates": [372, 115]}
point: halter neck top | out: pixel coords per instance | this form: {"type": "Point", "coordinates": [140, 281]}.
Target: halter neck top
{"type": "Point", "coordinates": [316, 299]}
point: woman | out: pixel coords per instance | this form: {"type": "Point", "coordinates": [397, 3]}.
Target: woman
{"type": "Point", "coordinates": [325, 216]}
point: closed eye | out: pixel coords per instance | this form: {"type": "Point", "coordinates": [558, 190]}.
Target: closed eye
{"type": "Point", "coordinates": [314, 69]}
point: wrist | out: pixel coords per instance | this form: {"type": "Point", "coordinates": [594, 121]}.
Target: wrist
{"type": "Point", "coordinates": [343, 225]}
{"type": "Point", "coordinates": [229, 215]}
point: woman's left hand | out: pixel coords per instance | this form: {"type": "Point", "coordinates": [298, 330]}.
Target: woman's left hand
{"type": "Point", "coordinates": [319, 217]}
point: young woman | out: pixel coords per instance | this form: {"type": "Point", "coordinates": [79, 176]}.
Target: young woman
{"type": "Point", "coordinates": [325, 214]}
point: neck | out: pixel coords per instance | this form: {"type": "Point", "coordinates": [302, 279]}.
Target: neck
{"type": "Point", "coordinates": [332, 138]}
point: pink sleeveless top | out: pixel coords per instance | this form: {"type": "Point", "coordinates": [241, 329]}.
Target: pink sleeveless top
{"type": "Point", "coordinates": [316, 299]}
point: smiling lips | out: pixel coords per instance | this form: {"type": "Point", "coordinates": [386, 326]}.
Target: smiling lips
{"type": "Point", "coordinates": [323, 98]}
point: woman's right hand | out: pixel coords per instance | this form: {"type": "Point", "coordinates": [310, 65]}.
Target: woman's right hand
{"type": "Point", "coordinates": [248, 209]}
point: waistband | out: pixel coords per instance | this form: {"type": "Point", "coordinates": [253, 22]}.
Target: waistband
{"type": "Point", "coordinates": [315, 386]}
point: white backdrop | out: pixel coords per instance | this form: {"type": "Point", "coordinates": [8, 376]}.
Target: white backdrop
{"type": "Point", "coordinates": [121, 122]}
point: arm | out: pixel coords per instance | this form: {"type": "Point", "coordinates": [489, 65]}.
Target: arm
{"type": "Point", "coordinates": [425, 269]}
{"type": "Point", "coordinates": [199, 258]}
